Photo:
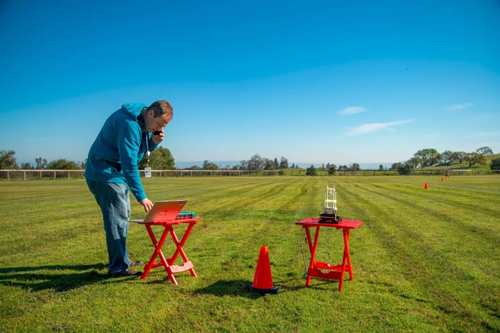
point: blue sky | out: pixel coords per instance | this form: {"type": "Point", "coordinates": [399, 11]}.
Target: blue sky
{"type": "Point", "coordinates": [315, 81]}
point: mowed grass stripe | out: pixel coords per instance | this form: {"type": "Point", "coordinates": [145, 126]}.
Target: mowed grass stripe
{"type": "Point", "coordinates": [163, 190]}
{"type": "Point", "coordinates": [459, 217]}
{"type": "Point", "coordinates": [407, 278]}
{"type": "Point", "coordinates": [475, 202]}
{"type": "Point", "coordinates": [440, 228]}
{"type": "Point", "coordinates": [420, 256]}
{"type": "Point", "coordinates": [403, 263]}
{"type": "Point", "coordinates": [239, 224]}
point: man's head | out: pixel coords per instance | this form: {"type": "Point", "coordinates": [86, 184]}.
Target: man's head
{"type": "Point", "coordinates": [158, 115]}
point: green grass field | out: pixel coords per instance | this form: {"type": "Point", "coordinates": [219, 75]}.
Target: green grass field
{"type": "Point", "coordinates": [424, 260]}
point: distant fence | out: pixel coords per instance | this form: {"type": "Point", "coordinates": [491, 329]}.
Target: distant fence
{"type": "Point", "coordinates": [41, 174]}
{"type": "Point", "coordinates": [69, 174]}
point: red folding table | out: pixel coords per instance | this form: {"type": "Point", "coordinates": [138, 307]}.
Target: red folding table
{"type": "Point", "coordinates": [316, 268]}
{"type": "Point", "coordinates": [168, 263]}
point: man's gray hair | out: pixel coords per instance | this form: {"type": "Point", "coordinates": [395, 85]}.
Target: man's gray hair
{"type": "Point", "coordinates": [161, 107]}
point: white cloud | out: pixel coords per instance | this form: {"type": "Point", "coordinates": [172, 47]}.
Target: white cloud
{"type": "Point", "coordinates": [374, 127]}
{"type": "Point", "coordinates": [459, 106]}
{"type": "Point", "coordinates": [352, 110]}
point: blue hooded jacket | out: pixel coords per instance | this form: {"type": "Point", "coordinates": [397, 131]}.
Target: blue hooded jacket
{"type": "Point", "coordinates": [119, 147]}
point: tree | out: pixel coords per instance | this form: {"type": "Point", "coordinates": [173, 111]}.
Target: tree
{"type": "Point", "coordinates": [495, 164]}
{"type": "Point", "coordinates": [83, 164]}
{"type": "Point", "coordinates": [436, 159]}
{"type": "Point", "coordinates": [331, 168]}
{"type": "Point", "coordinates": [243, 165]}
{"type": "Point", "coordinates": [26, 166]}
{"type": "Point", "coordinates": [8, 159]}
{"type": "Point", "coordinates": [276, 164]}
{"type": "Point", "coordinates": [293, 165]}
{"type": "Point", "coordinates": [255, 162]}
{"type": "Point", "coordinates": [283, 163]}
{"type": "Point", "coordinates": [429, 156]}
{"type": "Point", "coordinates": [40, 163]}
{"type": "Point", "coordinates": [458, 156]}
{"type": "Point", "coordinates": [394, 166]}
{"type": "Point", "coordinates": [269, 164]}
{"type": "Point", "coordinates": [380, 167]}
{"type": "Point", "coordinates": [404, 169]}
{"type": "Point", "coordinates": [355, 167]}
{"type": "Point", "coordinates": [160, 159]}
{"type": "Point", "coordinates": [209, 165]}
{"type": "Point", "coordinates": [62, 164]}
{"type": "Point", "coordinates": [414, 162]}
{"type": "Point", "coordinates": [163, 159]}
{"type": "Point", "coordinates": [447, 156]}
{"type": "Point", "coordinates": [311, 171]}
{"type": "Point", "coordinates": [485, 151]}
{"type": "Point", "coordinates": [475, 158]}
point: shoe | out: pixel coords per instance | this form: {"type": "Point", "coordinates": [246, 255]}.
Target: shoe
{"type": "Point", "coordinates": [136, 263]}
{"type": "Point", "coordinates": [127, 272]}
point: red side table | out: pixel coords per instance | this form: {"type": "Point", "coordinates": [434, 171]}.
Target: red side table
{"type": "Point", "coordinates": [316, 268]}
{"type": "Point", "coordinates": [168, 263]}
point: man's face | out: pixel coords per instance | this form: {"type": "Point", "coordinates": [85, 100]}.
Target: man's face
{"type": "Point", "coordinates": [156, 123]}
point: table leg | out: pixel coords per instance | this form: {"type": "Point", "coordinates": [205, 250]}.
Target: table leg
{"type": "Point", "coordinates": [158, 252]}
{"type": "Point", "coordinates": [346, 257]}
{"type": "Point", "coordinates": [312, 248]}
{"type": "Point", "coordinates": [347, 234]}
{"type": "Point", "coordinates": [180, 249]}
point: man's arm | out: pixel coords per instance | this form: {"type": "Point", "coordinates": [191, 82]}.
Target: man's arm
{"type": "Point", "coordinates": [128, 142]}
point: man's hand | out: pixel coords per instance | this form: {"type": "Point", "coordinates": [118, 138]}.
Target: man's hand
{"type": "Point", "coordinates": [147, 204]}
{"type": "Point", "coordinates": [158, 138]}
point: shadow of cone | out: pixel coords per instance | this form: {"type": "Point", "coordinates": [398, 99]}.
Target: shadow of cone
{"type": "Point", "coordinates": [263, 281]}
{"type": "Point", "coordinates": [425, 186]}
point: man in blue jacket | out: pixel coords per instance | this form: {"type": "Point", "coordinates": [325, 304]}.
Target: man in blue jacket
{"type": "Point", "coordinates": [111, 170]}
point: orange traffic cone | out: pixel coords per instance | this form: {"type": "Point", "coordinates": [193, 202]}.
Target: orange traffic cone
{"type": "Point", "coordinates": [442, 179]}
{"type": "Point", "coordinates": [425, 186]}
{"type": "Point", "coordinates": [263, 281]}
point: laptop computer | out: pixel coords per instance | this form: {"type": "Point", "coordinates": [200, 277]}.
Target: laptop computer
{"type": "Point", "coordinates": [163, 211]}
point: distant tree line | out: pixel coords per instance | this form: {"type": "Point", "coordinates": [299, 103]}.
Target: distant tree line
{"type": "Point", "coordinates": [8, 161]}
{"type": "Point", "coordinates": [254, 163]}
{"type": "Point", "coordinates": [261, 163]}
{"type": "Point", "coordinates": [160, 159]}
{"type": "Point", "coordinates": [431, 157]}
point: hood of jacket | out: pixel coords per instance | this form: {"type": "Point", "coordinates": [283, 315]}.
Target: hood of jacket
{"type": "Point", "coordinates": [134, 110]}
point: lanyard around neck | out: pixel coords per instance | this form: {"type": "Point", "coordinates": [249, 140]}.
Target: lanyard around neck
{"type": "Point", "coordinates": [147, 139]}
{"type": "Point", "coordinates": [147, 147]}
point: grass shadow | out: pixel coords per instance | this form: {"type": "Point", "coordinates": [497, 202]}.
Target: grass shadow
{"type": "Point", "coordinates": [62, 278]}
{"type": "Point", "coordinates": [318, 284]}
{"type": "Point", "coordinates": [228, 288]}
{"type": "Point", "coordinates": [8, 270]}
